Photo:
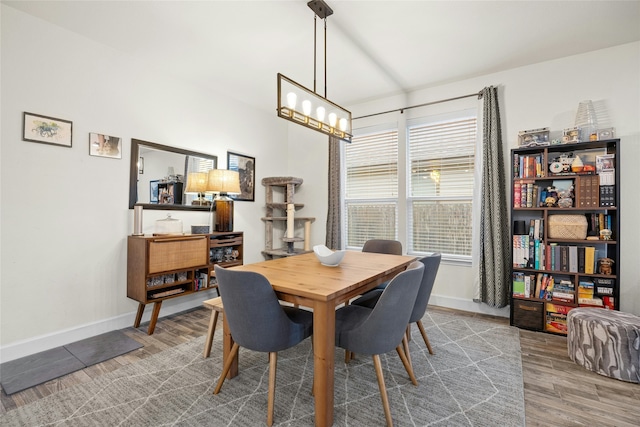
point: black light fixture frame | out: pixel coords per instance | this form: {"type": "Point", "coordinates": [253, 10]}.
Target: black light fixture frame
{"type": "Point", "coordinates": [322, 11]}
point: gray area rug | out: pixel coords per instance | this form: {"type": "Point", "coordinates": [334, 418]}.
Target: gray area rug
{"type": "Point", "coordinates": [29, 371]}
{"type": "Point", "coordinates": [474, 379]}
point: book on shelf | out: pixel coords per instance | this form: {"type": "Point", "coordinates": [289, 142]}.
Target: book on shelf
{"type": "Point", "coordinates": [573, 259]}
{"type": "Point", "coordinates": [528, 166]}
{"type": "Point", "coordinates": [525, 194]}
{"type": "Point", "coordinates": [518, 284]}
{"type": "Point", "coordinates": [591, 302]}
{"type": "Point", "coordinates": [588, 190]}
{"type": "Point", "coordinates": [538, 286]}
{"type": "Point", "coordinates": [607, 196]}
{"type": "Point", "coordinates": [609, 302]}
{"type": "Point", "coordinates": [546, 287]}
{"type": "Point", "coordinates": [558, 296]}
{"type": "Point", "coordinates": [589, 259]}
{"type": "Point", "coordinates": [523, 284]}
{"type": "Point", "coordinates": [604, 286]}
{"type": "Point", "coordinates": [595, 191]}
{"type": "Point", "coordinates": [581, 259]}
{"type": "Point", "coordinates": [556, 318]}
{"type": "Point", "coordinates": [564, 258]}
{"type": "Point", "coordinates": [585, 289]}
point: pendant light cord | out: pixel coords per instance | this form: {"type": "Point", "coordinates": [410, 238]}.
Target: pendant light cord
{"type": "Point", "coordinates": [325, 57]}
{"type": "Point", "coordinates": [315, 43]}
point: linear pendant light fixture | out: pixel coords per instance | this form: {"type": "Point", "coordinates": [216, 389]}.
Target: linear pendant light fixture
{"type": "Point", "coordinates": [305, 107]}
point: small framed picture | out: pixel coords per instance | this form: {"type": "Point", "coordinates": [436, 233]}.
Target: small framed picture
{"type": "Point", "coordinates": [246, 167]}
{"type": "Point", "coordinates": [46, 130]}
{"type": "Point", "coordinates": [105, 146]}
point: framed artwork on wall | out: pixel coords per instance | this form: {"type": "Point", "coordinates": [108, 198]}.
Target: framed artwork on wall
{"type": "Point", "coordinates": [105, 146]}
{"type": "Point", "coordinates": [246, 167]}
{"type": "Point", "coordinates": [46, 130]}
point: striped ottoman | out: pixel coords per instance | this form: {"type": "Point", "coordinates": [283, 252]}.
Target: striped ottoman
{"type": "Point", "coordinates": [605, 341]}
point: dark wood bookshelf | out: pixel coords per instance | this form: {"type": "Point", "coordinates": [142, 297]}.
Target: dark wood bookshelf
{"type": "Point", "coordinates": [538, 311]}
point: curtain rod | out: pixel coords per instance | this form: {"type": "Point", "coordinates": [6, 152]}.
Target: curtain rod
{"type": "Point", "coordinates": [478, 94]}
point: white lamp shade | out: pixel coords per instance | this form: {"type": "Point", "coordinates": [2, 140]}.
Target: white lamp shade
{"type": "Point", "coordinates": [223, 181]}
{"type": "Point", "coordinates": [196, 182]}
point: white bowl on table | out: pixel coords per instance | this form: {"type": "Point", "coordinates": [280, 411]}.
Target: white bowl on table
{"type": "Point", "coordinates": [328, 257]}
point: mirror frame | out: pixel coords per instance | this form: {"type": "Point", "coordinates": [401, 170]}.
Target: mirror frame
{"type": "Point", "coordinates": [133, 175]}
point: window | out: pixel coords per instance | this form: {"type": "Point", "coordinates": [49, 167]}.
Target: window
{"type": "Point", "coordinates": [371, 187]}
{"type": "Point", "coordinates": [441, 156]}
{"type": "Point", "coordinates": [439, 163]}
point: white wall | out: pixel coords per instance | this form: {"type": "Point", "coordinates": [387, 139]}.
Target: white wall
{"type": "Point", "coordinates": [547, 95]}
{"type": "Point", "coordinates": [64, 223]}
{"type": "Point", "coordinates": [65, 215]}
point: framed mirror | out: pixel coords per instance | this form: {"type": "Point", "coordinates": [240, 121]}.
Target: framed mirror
{"type": "Point", "coordinates": [158, 176]}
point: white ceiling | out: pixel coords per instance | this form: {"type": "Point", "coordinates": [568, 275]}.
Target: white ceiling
{"type": "Point", "coordinates": [375, 48]}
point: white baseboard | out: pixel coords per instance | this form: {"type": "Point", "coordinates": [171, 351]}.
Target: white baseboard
{"type": "Point", "coordinates": [45, 342]}
{"type": "Point", "coordinates": [467, 305]}
{"type": "Point", "coordinates": [57, 339]}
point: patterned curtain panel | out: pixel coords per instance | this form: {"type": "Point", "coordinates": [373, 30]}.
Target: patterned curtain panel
{"type": "Point", "coordinates": [495, 256]}
{"type": "Point", "coordinates": [333, 240]}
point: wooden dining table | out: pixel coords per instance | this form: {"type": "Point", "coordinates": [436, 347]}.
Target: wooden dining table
{"type": "Point", "coordinates": [303, 280]}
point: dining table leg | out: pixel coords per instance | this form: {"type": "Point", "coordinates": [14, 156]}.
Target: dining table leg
{"type": "Point", "coordinates": [324, 327]}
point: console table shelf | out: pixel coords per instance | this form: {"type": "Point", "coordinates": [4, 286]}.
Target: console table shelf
{"type": "Point", "coordinates": [165, 267]}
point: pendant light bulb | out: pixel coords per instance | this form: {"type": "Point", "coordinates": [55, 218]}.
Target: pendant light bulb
{"type": "Point", "coordinates": [343, 124]}
{"type": "Point", "coordinates": [291, 100]}
{"type": "Point", "coordinates": [306, 107]}
{"type": "Point", "coordinates": [332, 119]}
{"type": "Point", "coordinates": [320, 113]}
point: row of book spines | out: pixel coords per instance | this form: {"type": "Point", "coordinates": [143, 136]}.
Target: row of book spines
{"type": "Point", "coordinates": [525, 195]}
{"type": "Point", "coordinates": [529, 195]}
{"type": "Point", "coordinates": [528, 166]}
{"type": "Point", "coordinates": [543, 286]}
{"type": "Point", "coordinates": [202, 281]}
{"type": "Point", "coordinates": [553, 257]}
{"type": "Point", "coordinates": [527, 252]}
{"type": "Point", "coordinates": [599, 221]}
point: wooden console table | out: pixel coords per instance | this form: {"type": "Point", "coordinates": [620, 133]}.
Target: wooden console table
{"type": "Point", "coordinates": [164, 267]}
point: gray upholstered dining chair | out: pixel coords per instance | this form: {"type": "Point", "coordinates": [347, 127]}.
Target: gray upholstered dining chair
{"type": "Point", "coordinates": [379, 246]}
{"type": "Point", "coordinates": [378, 330]}
{"type": "Point", "coordinates": [431, 265]}
{"type": "Point", "coordinates": [258, 322]}
{"type": "Point", "coordinates": [382, 246]}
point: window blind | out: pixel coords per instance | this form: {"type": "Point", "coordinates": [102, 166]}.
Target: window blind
{"type": "Point", "coordinates": [441, 157]}
{"type": "Point", "coordinates": [371, 187]}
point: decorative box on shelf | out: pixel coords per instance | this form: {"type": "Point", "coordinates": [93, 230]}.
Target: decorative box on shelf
{"type": "Point", "coordinates": [533, 137]}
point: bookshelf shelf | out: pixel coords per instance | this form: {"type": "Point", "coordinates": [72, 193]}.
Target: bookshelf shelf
{"type": "Point", "coordinates": [561, 259]}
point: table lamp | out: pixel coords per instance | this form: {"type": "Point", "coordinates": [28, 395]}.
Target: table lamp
{"type": "Point", "coordinates": [197, 184]}
{"type": "Point", "coordinates": [222, 182]}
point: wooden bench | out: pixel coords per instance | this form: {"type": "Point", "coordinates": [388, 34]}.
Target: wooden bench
{"type": "Point", "coordinates": [216, 307]}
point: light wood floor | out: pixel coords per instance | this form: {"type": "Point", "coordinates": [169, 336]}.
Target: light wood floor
{"type": "Point", "coordinates": [557, 391]}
